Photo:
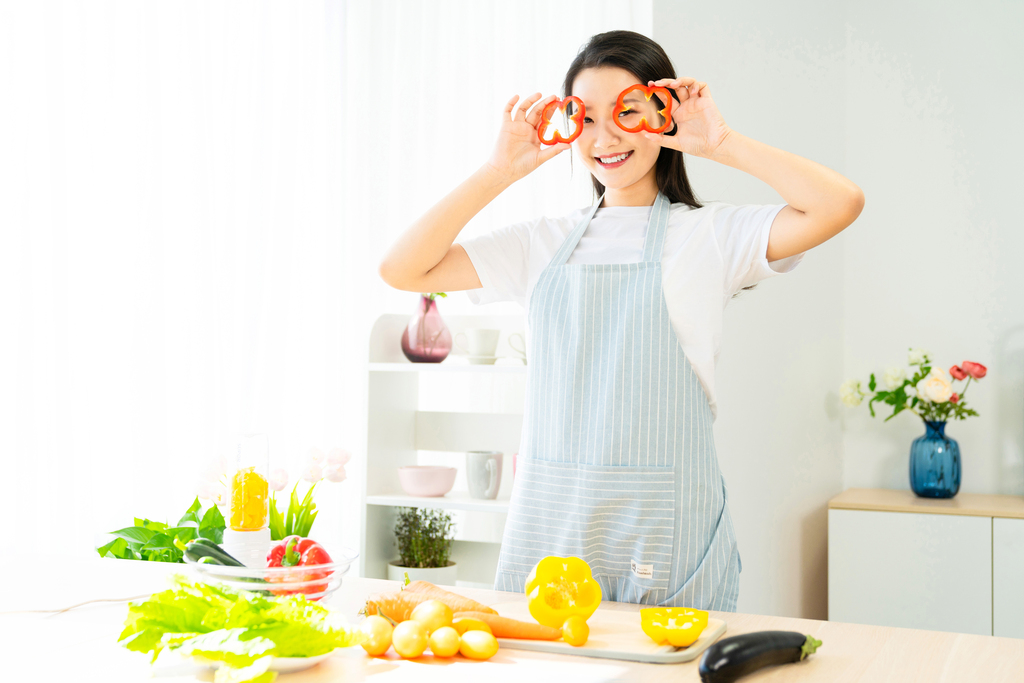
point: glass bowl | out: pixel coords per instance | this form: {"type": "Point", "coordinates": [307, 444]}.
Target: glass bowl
{"type": "Point", "coordinates": [315, 581]}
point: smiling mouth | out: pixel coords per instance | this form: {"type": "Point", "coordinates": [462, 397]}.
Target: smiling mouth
{"type": "Point", "coordinates": [613, 160]}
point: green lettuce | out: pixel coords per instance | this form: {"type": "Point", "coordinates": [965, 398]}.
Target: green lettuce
{"type": "Point", "coordinates": [242, 630]}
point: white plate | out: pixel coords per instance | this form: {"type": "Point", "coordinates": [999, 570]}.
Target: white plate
{"type": "Point", "coordinates": [279, 664]}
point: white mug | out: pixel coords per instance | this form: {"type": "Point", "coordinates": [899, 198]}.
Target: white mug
{"type": "Point", "coordinates": [479, 342]}
{"type": "Point", "coordinates": [483, 474]}
{"type": "Point", "coordinates": [522, 351]}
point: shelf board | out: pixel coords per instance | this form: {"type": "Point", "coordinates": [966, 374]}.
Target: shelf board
{"type": "Point", "coordinates": [451, 501]}
{"type": "Point", "coordinates": [447, 367]}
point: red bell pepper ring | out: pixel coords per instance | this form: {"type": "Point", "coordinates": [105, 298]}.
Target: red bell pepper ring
{"type": "Point", "coordinates": [560, 105]}
{"type": "Point", "coordinates": [295, 551]}
{"type": "Point", "coordinates": [648, 91]}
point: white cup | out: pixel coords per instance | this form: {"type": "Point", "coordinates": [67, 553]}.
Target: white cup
{"type": "Point", "coordinates": [483, 474]}
{"type": "Point", "coordinates": [520, 351]}
{"type": "Point", "coordinates": [480, 343]}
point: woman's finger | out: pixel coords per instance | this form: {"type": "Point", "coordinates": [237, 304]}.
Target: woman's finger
{"type": "Point", "coordinates": [553, 151]}
{"type": "Point", "coordinates": [670, 141]}
{"type": "Point", "coordinates": [533, 118]}
{"type": "Point", "coordinates": [525, 105]}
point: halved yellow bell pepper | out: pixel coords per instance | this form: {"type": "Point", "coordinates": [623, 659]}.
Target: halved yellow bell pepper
{"type": "Point", "coordinates": [562, 587]}
{"type": "Point", "coordinates": [678, 626]}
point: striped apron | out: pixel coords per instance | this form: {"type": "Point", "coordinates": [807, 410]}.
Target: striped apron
{"type": "Point", "coordinates": [617, 463]}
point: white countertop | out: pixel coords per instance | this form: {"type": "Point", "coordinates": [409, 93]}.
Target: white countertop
{"type": "Point", "coordinates": [81, 644]}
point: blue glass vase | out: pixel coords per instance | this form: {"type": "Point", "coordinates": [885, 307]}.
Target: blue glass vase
{"type": "Point", "coordinates": [935, 463]}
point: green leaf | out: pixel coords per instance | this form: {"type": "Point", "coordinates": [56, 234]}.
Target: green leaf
{"type": "Point", "coordinates": [871, 384]}
{"type": "Point", "coordinates": [276, 521]}
{"type": "Point", "coordinates": [115, 548]}
{"type": "Point", "coordinates": [138, 534]}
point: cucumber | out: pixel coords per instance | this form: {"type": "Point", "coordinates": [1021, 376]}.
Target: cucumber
{"type": "Point", "coordinates": [731, 658]}
{"type": "Point", "coordinates": [201, 548]}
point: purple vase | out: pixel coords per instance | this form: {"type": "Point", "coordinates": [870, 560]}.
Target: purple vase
{"type": "Point", "coordinates": [426, 339]}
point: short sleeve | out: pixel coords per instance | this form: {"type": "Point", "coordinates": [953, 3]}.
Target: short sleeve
{"type": "Point", "coordinates": [742, 233]}
{"type": "Point", "coordinates": [501, 259]}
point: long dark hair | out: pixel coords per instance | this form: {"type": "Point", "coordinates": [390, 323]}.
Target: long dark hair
{"type": "Point", "coordinates": [645, 59]}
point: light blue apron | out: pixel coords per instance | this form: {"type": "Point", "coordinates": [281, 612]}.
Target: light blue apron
{"type": "Point", "coordinates": [617, 463]}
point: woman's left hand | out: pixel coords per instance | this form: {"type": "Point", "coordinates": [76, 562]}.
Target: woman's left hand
{"type": "Point", "coordinates": [700, 128]}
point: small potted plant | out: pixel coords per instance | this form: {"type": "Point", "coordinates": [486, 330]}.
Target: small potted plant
{"type": "Point", "coordinates": [424, 537]}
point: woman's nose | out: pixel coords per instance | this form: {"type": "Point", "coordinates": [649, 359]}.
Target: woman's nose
{"type": "Point", "coordinates": [608, 135]}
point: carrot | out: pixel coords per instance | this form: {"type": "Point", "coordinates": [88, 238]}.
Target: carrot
{"type": "Point", "coordinates": [503, 627]}
{"type": "Point", "coordinates": [458, 603]}
{"type": "Point", "coordinates": [397, 606]}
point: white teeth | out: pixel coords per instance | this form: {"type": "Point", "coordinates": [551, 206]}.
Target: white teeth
{"type": "Point", "coordinates": [613, 160]}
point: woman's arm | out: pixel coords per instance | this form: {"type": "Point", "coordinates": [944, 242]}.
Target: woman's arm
{"type": "Point", "coordinates": [425, 257]}
{"type": "Point", "coordinates": [821, 202]}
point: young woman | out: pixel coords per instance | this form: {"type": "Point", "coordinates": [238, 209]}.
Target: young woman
{"type": "Point", "coordinates": [624, 302]}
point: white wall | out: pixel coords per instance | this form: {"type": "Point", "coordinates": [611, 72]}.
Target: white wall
{"type": "Point", "coordinates": [918, 103]}
{"type": "Point", "coordinates": [934, 138]}
{"type": "Point", "coordinates": [777, 77]}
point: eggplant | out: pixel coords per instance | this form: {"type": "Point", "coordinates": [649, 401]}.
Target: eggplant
{"type": "Point", "coordinates": [731, 658]}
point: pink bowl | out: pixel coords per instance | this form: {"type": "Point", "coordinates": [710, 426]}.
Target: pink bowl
{"type": "Point", "coordinates": [426, 480]}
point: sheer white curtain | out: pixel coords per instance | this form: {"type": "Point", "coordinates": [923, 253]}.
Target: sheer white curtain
{"type": "Point", "coordinates": [441, 73]}
{"type": "Point", "coordinates": [195, 197]}
{"type": "Point", "coordinates": [171, 259]}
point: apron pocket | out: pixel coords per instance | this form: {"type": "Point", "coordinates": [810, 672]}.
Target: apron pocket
{"type": "Point", "coordinates": [621, 520]}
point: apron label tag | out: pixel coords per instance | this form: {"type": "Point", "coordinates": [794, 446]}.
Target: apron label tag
{"type": "Point", "coordinates": [643, 571]}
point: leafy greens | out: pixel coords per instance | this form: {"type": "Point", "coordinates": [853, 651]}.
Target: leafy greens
{"type": "Point", "coordinates": [242, 630]}
{"type": "Point", "coordinates": [159, 542]}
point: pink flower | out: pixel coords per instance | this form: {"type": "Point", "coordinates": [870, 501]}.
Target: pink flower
{"type": "Point", "coordinates": [957, 372]}
{"type": "Point", "coordinates": [313, 474]}
{"type": "Point", "coordinates": [975, 370]}
{"type": "Point", "coordinates": [338, 456]}
{"type": "Point", "coordinates": [335, 473]}
{"type": "Point", "coordinates": [278, 479]}
{"type": "Point", "coordinates": [954, 398]}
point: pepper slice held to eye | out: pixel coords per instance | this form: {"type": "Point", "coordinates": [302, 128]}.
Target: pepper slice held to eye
{"type": "Point", "coordinates": [677, 626]}
{"type": "Point", "coordinates": [561, 105]}
{"type": "Point", "coordinates": [648, 92]}
{"type": "Point", "coordinates": [561, 587]}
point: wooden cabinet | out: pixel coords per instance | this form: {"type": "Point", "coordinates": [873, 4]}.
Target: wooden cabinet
{"type": "Point", "coordinates": [946, 565]}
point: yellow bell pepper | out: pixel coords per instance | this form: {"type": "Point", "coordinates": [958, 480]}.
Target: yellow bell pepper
{"type": "Point", "coordinates": [678, 626]}
{"type": "Point", "coordinates": [562, 587]}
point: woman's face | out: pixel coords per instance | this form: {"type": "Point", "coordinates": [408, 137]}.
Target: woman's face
{"type": "Point", "coordinates": [602, 143]}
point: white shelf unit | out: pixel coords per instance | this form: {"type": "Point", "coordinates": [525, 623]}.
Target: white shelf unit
{"type": "Point", "coordinates": [431, 414]}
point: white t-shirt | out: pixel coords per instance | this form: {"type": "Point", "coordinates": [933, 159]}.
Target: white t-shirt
{"type": "Point", "coordinates": [710, 254]}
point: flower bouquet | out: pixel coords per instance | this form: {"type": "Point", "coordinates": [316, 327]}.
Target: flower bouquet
{"type": "Point", "coordinates": [928, 392]}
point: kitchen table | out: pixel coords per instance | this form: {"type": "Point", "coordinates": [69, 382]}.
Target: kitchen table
{"type": "Point", "coordinates": [80, 644]}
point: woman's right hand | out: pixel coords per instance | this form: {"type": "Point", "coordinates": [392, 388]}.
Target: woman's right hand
{"type": "Point", "coordinates": [518, 150]}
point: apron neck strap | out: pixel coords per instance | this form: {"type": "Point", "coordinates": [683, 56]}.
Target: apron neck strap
{"type": "Point", "coordinates": [654, 243]}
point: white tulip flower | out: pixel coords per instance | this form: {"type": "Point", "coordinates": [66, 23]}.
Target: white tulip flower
{"type": "Point", "coordinates": [316, 456]}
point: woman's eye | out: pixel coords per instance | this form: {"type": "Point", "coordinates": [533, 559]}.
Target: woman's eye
{"type": "Point", "coordinates": [627, 111]}
{"type": "Point", "coordinates": [586, 119]}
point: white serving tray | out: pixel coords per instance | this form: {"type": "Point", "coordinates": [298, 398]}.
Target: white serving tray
{"type": "Point", "coordinates": [613, 635]}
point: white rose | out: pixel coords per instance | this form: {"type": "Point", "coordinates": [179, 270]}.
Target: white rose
{"type": "Point", "coordinates": [850, 393]}
{"type": "Point", "coordinates": [894, 377]}
{"type": "Point", "coordinates": [937, 386]}
{"type": "Point", "coordinates": [917, 356]}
